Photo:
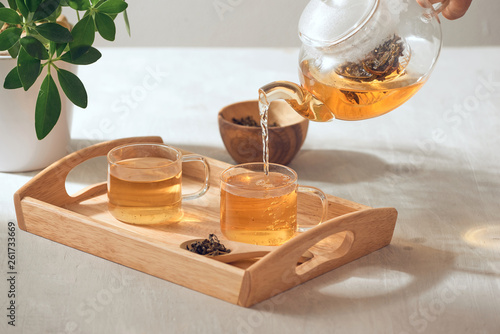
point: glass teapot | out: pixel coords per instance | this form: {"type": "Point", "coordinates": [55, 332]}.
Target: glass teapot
{"type": "Point", "coordinates": [360, 58]}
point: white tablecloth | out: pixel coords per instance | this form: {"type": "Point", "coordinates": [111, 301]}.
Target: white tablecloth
{"type": "Point", "coordinates": [435, 159]}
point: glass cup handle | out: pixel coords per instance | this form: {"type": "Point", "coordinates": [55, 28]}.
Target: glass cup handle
{"type": "Point", "coordinates": [206, 184]}
{"type": "Point", "coordinates": [324, 204]}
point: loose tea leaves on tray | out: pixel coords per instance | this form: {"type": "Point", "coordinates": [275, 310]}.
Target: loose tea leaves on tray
{"type": "Point", "coordinates": [210, 247]}
{"type": "Point", "coordinates": [380, 63]}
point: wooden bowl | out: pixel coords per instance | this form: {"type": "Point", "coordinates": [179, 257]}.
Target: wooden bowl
{"type": "Point", "coordinates": [244, 143]}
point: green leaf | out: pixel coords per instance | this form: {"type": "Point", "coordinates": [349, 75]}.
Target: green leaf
{"type": "Point", "coordinates": [54, 32]}
{"type": "Point", "coordinates": [52, 47]}
{"type": "Point", "coordinates": [12, 4]}
{"type": "Point", "coordinates": [28, 68]}
{"type": "Point", "coordinates": [105, 26]}
{"type": "Point", "coordinates": [14, 50]}
{"type": "Point", "coordinates": [10, 16]}
{"type": "Point", "coordinates": [34, 47]}
{"type": "Point", "coordinates": [79, 4]}
{"type": "Point", "coordinates": [72, 87]}
{"type": "Point", "coordinates": [55, 15]}
{"type": "Point", "coordinates": [127, 23]}
{"type": "Point", "coordinates": [32, 4]}
{"type": "Point", "coordinates": [60, 47]}
{"type": "Point", "coordinates": [48, 107]}
{"type": "Point", "coordinates": [9, 37]}
{"type": "Point", "coordinates": [83, 36]}
{"type": "Point", "coordinates": [46, 9]}
{"type": "Point", "coordinates": [12, 80]}
{"type": "Point", "coordinates": [1, 22]}
{"type": "Point", "coordinates": [112, 7]}
{"type": "Point", "coordinates": [21, 6]}
{"type": "Point", "coordinates": [89, 57]}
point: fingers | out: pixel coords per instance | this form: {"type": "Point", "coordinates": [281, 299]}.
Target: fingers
{"type": "Point", "coordinates": [456, 9]}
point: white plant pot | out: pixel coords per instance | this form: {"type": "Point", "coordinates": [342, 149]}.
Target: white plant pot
{"type": "Point", "coordinates": [20, 149]}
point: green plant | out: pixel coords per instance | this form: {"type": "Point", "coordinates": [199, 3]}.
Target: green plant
{"type": "Point", "coordinates": [31, 32]}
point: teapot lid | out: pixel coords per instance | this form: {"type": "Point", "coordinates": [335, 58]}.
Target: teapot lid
{"type": "Point", "coordinates": [328, 22]}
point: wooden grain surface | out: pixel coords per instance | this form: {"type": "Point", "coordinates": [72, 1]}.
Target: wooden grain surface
{"type": "Point", "coordinates": [244, 142]}
{"type": "Point", "coordinates": [84, 222]}
{"type": "Point", "coordinates": [433, 159]}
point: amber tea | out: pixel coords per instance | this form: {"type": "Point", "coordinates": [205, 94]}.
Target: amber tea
{"type": "Point", "coordinates": [142, 194]}
{"type": "Point", "coordinates": [259, 208]}
{"type": "Point", "coordinates": [145, 183]}
{"type": "Point", "coordinates": [360, 100]}
{"type": "Point", "coordinates": [366, 88]}
{"type": "Point", "coordinates": [368, 85]}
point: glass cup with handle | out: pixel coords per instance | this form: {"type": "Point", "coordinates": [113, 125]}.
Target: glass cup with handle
{"type": "Point", "coordinates": [145, 183]}
{"type": "Point", "coordinates": [260, 208]}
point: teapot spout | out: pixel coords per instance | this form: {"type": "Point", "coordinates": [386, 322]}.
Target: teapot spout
{"type": "Point", "coordinates": [301, 100]}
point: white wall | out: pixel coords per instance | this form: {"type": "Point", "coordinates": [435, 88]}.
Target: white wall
{"type": "Point", "coordinates": [264, 23]}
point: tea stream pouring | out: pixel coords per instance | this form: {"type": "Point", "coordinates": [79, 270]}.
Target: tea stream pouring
{"type": "Point", "coordinates": [360, 58]}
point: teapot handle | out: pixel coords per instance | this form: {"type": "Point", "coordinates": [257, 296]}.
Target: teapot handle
{"type": "Point", "coordinates": [432, 8]}
{"type": "Point", "coordinates": [440, 6]}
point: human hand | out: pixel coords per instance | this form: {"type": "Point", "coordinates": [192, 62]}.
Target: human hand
{"type": "Point", "coordinates": [454, 9]}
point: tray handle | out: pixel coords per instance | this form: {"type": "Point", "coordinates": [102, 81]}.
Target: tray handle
{"type": "Point", "coordinates": [50, 184]}
{"type": "Point", "coordinates": [366, 231]}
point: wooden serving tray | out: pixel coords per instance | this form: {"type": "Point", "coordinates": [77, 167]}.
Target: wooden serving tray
{"type": "Point", "coordinates": [82, 221]}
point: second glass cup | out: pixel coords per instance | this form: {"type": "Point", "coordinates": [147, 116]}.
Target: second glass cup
{"type": "Point", "coordinates": [144, 183]}
{"type": "Point", "coordinates": [261, 209]}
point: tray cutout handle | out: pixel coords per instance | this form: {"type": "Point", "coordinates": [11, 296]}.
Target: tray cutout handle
{"type": "Point", "coordinates": [365, 231]}
{"type": "Point", "coordinates": [89, 192]}
{"type": "Point", "coordinates": [50, 184]}
{"type": "Point", "coordinates": [302, 270]}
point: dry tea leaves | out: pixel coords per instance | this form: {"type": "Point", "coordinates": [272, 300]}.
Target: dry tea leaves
{"type": "Point", "coordinates": [379, 64]}
{"type": "Point", "coordinates": [209, 247]}
{"type": "Point", "coordinates": [249, 121]}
